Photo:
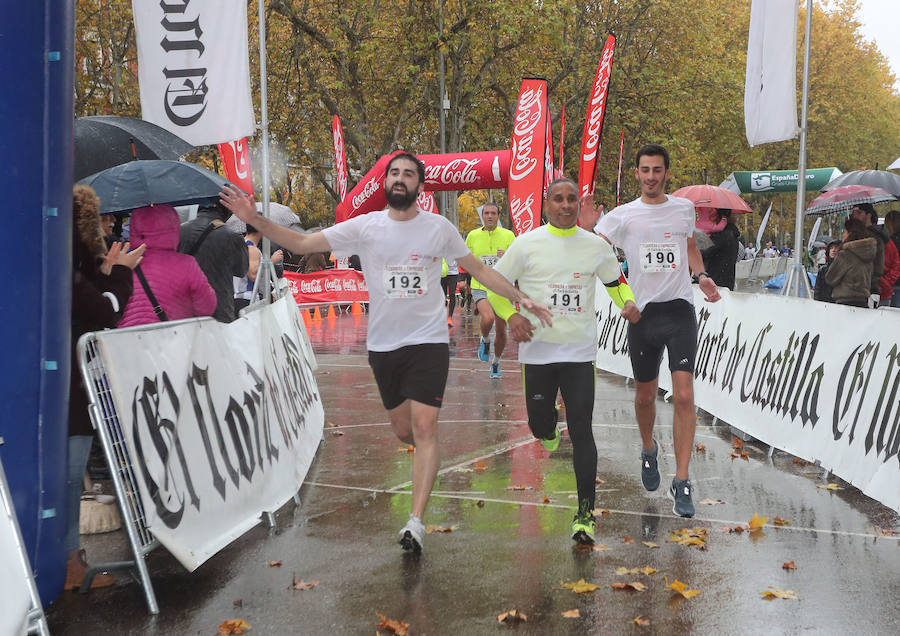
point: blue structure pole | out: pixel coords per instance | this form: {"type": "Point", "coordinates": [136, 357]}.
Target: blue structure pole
{"type": "Point", "coordinates": [36, 118]}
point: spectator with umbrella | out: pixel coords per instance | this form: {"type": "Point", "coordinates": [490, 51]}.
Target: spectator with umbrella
{"type": "Point", "coordinates": [823, 289]}
{"type": "Point", "coordinates": [850, 275]}
{"type": "Point", "coordinates": [167, 285]}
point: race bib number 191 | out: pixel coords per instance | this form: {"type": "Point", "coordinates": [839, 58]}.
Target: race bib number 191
{"type": "Point", "coordinates": [660, 257]}
{"type": "Point", "coordinates": [564, 299]}
{"type": "Point", "coordinates": [404, 281]}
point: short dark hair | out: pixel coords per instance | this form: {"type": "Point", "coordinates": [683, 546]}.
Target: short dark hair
{"type": "Point", "coordinates": [856, 229]}
{"type": "Point", "coordinates": [420, 167]}
{"type": "Point", "coordinates": [561, 180]}
{"type": "Point", "coordinates": [491, 203]}
{"type": "Point", "coordinates": [652, 150]}
{"type": "Point", "coordinates": [869, 209]}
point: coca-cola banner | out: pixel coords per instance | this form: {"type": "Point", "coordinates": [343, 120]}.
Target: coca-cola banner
{"type": "Point", "coordinates": [593, 122]}
{"type": "Point", "coordinates": [340, 157]}
{"type": "Point", "coordinates": [367, 195]}
{"type": "Point", "coordinates": [452, 171]}
{"type": "Point", "coordinates": [549, 173]}
{"type": "Point", "coordinates": [426, 202]}
{"type": "Point", "coordinates": [328, 286]}
{"type": "Point", "coordinates": [527, 154]}
{"type": "Point", "coordinates": [236, 159]}
{"type": "Point", "coordinates": [193, 68]}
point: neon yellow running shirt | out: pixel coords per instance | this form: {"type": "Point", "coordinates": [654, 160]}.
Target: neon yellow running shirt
{"type": "Point", "coordinates": [484, 246]}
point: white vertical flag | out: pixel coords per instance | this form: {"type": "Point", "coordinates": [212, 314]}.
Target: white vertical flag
{"type": "Point", "coordinates": [813, 234]}
{"type": "Point", "coordinates": [770, 88]}
{"type": "Point", "coordinates": [194, 68]}
{"type": "Point", "coordinates": [762, 228]}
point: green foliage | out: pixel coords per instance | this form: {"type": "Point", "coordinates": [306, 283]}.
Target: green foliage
{"type": "Point", "coordinates": [678, 79]}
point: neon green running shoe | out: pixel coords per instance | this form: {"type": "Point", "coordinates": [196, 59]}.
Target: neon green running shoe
{"type": "Point", "coordinates": [583, 528]}
{"type": "Point", "coordinates": [553, 443]}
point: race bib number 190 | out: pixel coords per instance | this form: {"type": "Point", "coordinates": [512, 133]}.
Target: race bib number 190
{"type": "Point", "coordinates": [660, 257]}
{"type": "Point", "coordinates": [404, 281]}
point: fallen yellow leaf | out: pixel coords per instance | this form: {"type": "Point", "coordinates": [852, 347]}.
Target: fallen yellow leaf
{"type": "Point", "coordinates": [396, 627]}
{"type": "Point", "coordinates": [681, 588]}
{"type": "Point", "coordinates": [757, 522]}
{"type": "Point", "coordinates": [520, 487]}
{"type": "Point", "coordinates": [650, 544]}
{"type": "Point", "coordinates": [300, 584]}
{"type": "Point", "coordinates": [273, 564]}
{"type": "Point", "coordinates": [233, 626]}
{"type": "Point", "coordinates": [778, 521]}
{"type": "Point", "coordinates": [480, 467]}
{"type": "Point", "coordinates": [773, 592]}
{"type": "Point", "coordinates": [572, 613]}
{"type": "Point", "coordinates": [830, 487]}
{"type": "Point", "coordinates": [644, 570]}
{"type": "Point", "coordinates": [689, 537]}
{"type": "Point", "coordinates": [790, 565]}
{"type": "Point", "coordinates": [885, 532]}
{"type": "Point", "coordinates": [546, 499]}
{"type": "Point", "coordinates": [432, 529]}
{"type": "Point", "coordinates": [512, 616]}
{"type": "Point", "coordinates": [600, 511]}
{"type": "Point", "coordinates": [737, 443]}
{"type": "Point", "coordinates": [700, 448]}
{"type": "Point", "coordinates": [635, 585]}
{"type": "Point", "coordinates": [640, 620]}
{"type": "Point", "coordinates": [580, 587]}
{"type": "Point", "coordinates": [711, 502]}
{"type": "Point", "coordinates": [628, 540]}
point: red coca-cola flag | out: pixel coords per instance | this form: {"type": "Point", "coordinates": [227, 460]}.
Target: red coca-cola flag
{"type": "Point", "coordinates": [562, 137]}
{"type": "Point", "coordinates": [593, 123]}
{"type": "Point", "coordinates": [549, 172]}
{"type": "Point", "coordinates": [426, 202]}
{"type": "Point", "coordinates": [528, 148]}
{"type": "Point", "coordinates": [454, 171]}
{"type": "Point", "coordinates": [236, 159]}
{"type": "Point", "coordinates": [340, 157]}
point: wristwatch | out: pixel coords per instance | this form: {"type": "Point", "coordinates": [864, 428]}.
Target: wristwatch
{"type": "Point", "coordinates": [696, 277]}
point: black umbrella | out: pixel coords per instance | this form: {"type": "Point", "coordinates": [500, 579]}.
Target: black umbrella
{"type": "Point", "coordinates": [137, 184]}
{"type": "Point", "coordinates": [105, 141]}
{"type": "Point", "coordinates": [876, 178]}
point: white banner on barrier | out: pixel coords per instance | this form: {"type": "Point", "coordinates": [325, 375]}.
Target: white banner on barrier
{"type": "Point", "coordinates": [15, 602]}
{"type": "Point", "coordinates": [817, 380]}
{"type": "Point", "coordinates": [222, 422]}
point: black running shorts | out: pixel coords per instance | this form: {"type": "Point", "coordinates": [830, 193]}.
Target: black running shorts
{"type": "Point", "coordinates": [670, 325]}
{"type": "Point", "coordinates": [416, 372]}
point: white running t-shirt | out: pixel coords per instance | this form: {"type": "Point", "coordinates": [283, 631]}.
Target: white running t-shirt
{"type": "Point", "coordinates": [401, 263]}
{"type": "Point", "coordinates": [654, 239]}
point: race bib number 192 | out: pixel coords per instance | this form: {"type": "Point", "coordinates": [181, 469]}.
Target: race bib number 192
{"type": "Point", "coordinates": [660, 257]}
{"type": "Point", "coordinates": [404, 281]}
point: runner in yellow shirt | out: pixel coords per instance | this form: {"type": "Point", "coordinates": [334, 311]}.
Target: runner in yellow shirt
{"type": "Point", "coordinates": [488, 243]}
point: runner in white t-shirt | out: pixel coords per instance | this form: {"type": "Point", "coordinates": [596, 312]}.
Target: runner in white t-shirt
{"type": "Point", "coordinates": [401, 250]}
{"type": "Point", "coordinates": [656, 233]}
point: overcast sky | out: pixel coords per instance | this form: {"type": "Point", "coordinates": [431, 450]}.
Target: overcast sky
{"type": "Point", "coordinates": [880, 24]}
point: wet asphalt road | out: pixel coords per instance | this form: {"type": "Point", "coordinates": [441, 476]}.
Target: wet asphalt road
{"type": "Point", "coordinates": [510, 504]}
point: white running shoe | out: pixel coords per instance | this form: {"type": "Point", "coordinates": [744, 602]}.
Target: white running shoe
{"type": "Point", "coordinates": [412, 535]}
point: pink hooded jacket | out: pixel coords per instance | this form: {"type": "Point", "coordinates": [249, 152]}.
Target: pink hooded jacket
{"type": "Point", "coordinates": [175, 279]}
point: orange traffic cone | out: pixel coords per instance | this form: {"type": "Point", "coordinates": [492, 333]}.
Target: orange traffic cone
{"type": "Point", "coordinates": [306, 319]}
{"type": "Point", "coordinates": [317, 314]}
{"type": "Point", "coordinates": [331, 314]}
{"type": "Point", "coordinates": [356, 309]}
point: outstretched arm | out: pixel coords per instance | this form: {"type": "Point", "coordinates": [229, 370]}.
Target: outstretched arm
{"type": "Point", "coordinates": [245, 210]}
{"type": "Point", "coordinates": [497, 283]}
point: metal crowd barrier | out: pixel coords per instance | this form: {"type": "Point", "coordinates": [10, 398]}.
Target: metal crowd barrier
{"type": "Point", "coordinates": [109, 430]}
{"type": "Point", "coordinates": [36, 620]}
